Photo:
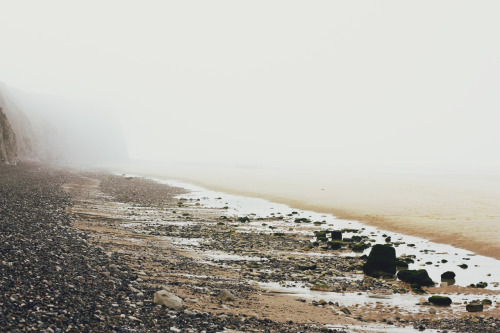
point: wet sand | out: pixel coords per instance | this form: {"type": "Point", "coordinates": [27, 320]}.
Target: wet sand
{"type": "Point", "coordinates": [462, 210]}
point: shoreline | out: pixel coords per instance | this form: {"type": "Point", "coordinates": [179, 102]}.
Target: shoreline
{"type": "Point", "coordinates": [139, 237]}
{"type": "Point", "coordinates": [459, 221]}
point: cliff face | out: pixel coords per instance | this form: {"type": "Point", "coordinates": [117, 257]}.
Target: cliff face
{"type": "Point", "coordinates": [54, 129]}
{"type": "Point", "coordinates": [8, 140]}
{"type": "Point", "coordinates": [18, 140]}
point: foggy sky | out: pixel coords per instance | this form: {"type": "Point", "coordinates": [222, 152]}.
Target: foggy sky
{"type": "Point", "coordinates": [315, 83]}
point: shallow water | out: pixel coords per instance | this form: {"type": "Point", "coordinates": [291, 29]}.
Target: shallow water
{"type": "Point", "coordinates": [429, 255]}
{"type": "Point", "coordinates": [406, 302]}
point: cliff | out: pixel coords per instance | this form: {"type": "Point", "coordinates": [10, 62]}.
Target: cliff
{"type": "Point", "coordinates": [8, 140]}
{"type": "Point", "coordinates": [55, 129]}
{"type": "Point", "coordinates": [17, 137]}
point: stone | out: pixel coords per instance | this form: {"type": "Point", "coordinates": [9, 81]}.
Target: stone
{"type": "Point", "coordinates": [440, 300]}
{"type": "Point", "coordinates": [336, 235]}
{"type": "Point", "coordinates": [449, 275]}
{"type": "Point", "coordinates": [225, 296]}
{"type": "Point", "coordinates": [163, 297]}
{"type": "Point", "coordinates": [419, 277]}
{"type": "Point", "coordinates": [381, 261]}
{"type": "Point", "coordinates": [346, 311]}
{"type": "Point", "coordinates": [474, 307]}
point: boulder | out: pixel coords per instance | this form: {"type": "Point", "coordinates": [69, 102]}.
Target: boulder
{"type": "Point", "coordinates": [401, 264]}
{"type": "Point", "coordinates": [381, 261]}
{"type": "Point", "coordinates": [440, 300]}
{"type": "Point", "coordinates": [448, 275]}
{"type": "Point", "coordinates": [225, 296]}
{"type": "Point", "coordinates": [419, 277]}
{"type": "Point", "coordinates": [474, 307]}
{"type": "Point", "coordinates": [335, 245]}
{"type": "Point", "coordinates": [163, 297]}
{"type": "Point", "coordinates": [359, 247]}
{"type": "Point", "coordinates": [336, 235]}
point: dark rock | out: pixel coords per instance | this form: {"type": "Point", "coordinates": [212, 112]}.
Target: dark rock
{"type": "Point", "coordinates": [335, 245]}
{"type": "Point", "coordinates": [474, 307]}
{"type": "Point", "coordinates": [336, 235]}
{"type": "Point", "coordinates": [440, 300]}
{"type": "Point", "coordinates": [359, 247]}
{"type": "Point", "coordinates": [419, 277]}
{"type": "Point", "coordinates": [381, 261]}
{"type": "Point", "coordinates": [448, 275]}
{"type": "Point", "coordinates": [401, 264]}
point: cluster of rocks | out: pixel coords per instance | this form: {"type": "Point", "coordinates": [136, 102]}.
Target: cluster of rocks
{"type": "Point", "coordinates": [464, 324]}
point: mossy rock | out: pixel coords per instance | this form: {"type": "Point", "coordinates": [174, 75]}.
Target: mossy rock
{"type": "Point", "coordinates": [420, 277]}
{"type": "Point", "coordinates": [474, 307]}
{"type": "Point", "coordinates": [359, 247]}
{"type": "Point", "coordinates": [440, 300]}
{"type": "Point", "coordinates": [401, 264]}
{"type": "Point", "coordinates": [417, 289]}
{"type": "Point", "coordinates": [381, 261]}
{"type": "Point", "coordinates": [449, 275]}
{"type": "Point", "coordinates": [336, 235]}
{"type": "Point", "coordinates": [321, 233]}
{"type": "Point", "coordinates": [320, 286]}
{"type": "Point", "coordinates": [336, 245]}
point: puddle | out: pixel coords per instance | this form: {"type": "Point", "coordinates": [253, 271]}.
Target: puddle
{"type": "Point", "coordinates": [377, 328]}
{"type": "Point", "coordinates": [223, 256]}
{"type": "Point", "coordinates": [405, 302]}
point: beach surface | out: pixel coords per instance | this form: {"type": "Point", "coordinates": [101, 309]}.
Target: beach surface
{"type": "Point", "coordinates": [462, 210]}
{"type": "Point", "coordinates": [94, 251]}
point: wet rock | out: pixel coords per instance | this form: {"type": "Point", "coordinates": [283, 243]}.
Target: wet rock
{"type": "Point", "coordinates": [474, 307]}
{"type": "Point", "coordinates": [440, 300]}
{"type": "Point", "coordinates": [336, 235]}
{"type": "Point", "coordinates": [419, 277]}
{"type": "Point", "coordinates": [449, 275]}
{"type": "Point", "coordinates": [171, 301]}
{"type": "Point", "coordinates": [381, 261]}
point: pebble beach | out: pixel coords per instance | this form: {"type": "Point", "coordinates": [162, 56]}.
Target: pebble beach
{"type": "Point", "coordinates": [93, 251]}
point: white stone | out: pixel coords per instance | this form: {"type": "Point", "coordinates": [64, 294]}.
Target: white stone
{"type": "Point", "coordinates": [163, 297]}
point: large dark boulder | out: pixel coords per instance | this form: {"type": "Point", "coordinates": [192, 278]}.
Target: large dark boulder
{"type": "Point", "coordinates": [336, 245]}
{"type": "Point", "coordinates": [448, 275]}
{"type": "Point", "coordinates": [336, 235]}
{"type": "Point", "coordinates": [440, 300]}
{"type": "Point", "coordinates": [381, 261]}
{"type": "Point", "coordinates": [420, 277]}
